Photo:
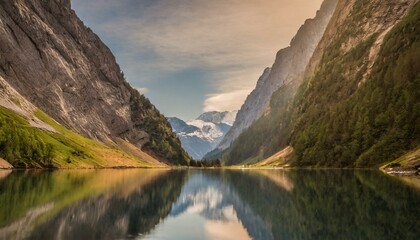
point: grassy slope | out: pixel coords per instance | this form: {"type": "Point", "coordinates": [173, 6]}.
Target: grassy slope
{"type": "Point", "coordinates": [279, 159]}
{"type": "Point", "coordinates": [69, 149]}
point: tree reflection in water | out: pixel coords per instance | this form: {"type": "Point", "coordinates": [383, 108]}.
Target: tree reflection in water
{"type": "Point", "coordinates": [207, 204]}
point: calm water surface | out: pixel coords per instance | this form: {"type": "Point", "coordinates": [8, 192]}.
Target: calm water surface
{"type": "Point", "coordinates": [212, 204]}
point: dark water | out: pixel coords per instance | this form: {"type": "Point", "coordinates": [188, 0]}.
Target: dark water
{"type": "Point", "coordinates": [226, 204]}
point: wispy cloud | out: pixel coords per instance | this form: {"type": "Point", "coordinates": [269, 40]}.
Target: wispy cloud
{"type": "Point", "coordinates": [226, 101]}
{"type": "Point", "coordinates": [233, 40]}
{"type": "Point", "coordinates": [142, 90]}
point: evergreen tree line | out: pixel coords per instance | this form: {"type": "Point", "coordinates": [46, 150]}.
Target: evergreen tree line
{"type": "Point", "coordinates": [205, 163]}
{"type": "Point", "coordinates": [162, 141]}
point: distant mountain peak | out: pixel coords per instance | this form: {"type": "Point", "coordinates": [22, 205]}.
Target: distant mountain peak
{"type": "Point", "coordinates": [227, 117]}
{"type": "Point", "coordinates": [201, 135]}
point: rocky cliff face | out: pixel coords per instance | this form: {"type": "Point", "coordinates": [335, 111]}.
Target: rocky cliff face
{"type": "Point", "coordinates": [289, 67]}
{"type": "Point", "coordinates": [354, 105]}
{"type": "Point", "coordinates": [62, 67]}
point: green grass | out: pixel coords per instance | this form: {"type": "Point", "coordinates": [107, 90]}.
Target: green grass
{"type": "Point", "coordinates": [68, 145]}
{"type": "Point", "coordinates": [69, 149]}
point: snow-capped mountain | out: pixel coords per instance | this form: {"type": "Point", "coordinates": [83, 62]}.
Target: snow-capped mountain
{"type": "Point", "coordinates": [201, 135]}
{"type": "Point", "coordinates": [219, 117]}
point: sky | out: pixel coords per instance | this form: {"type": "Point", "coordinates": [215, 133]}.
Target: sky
{"type": "Point", "coordinates": [193, 56]}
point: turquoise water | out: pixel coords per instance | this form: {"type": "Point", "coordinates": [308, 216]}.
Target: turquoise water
{"type": "Point", "coordinates": [208, 204]}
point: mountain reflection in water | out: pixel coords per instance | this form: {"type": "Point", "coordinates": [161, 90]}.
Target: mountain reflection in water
{"type": "Point", "coordinates": [207, 204]}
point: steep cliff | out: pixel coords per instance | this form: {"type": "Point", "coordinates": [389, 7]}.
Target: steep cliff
{"type": "Point", "coordinates": [358, 102]}
{"type": "Point", "coordinates": [59, 65]}
{"type": "Point", "coordinates": [288, 68]}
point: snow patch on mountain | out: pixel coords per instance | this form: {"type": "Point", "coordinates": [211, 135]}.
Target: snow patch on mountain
{"type": "Point", "coordinates": [200, 136]}
{"type": "Point", "coordinates": [207, 130]}
{"type": "Point", "coordinates": [227, 117]}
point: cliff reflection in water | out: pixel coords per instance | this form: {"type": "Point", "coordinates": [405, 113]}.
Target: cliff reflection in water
{"type": "Point", "coordinates": [86, 204]}
{"type": "Point", "coordinates": [208, 204]}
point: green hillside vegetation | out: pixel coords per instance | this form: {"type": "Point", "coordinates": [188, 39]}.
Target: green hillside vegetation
{"type": "Point", "coordinates": [163, 142]}
{"type": "Point", "coordinates": [337, 120]}
{"type": "Point", "coordinates": [21, 144]}
{"type": "Point", "coordinates": [263, 138]}
{"type": "Point", "coordinates": [341, 125]}
{"type": "Point", "coordinates": [24, 146]}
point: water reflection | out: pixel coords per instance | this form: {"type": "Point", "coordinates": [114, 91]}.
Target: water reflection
{"type": "Point", "coordinates": [86, 204]}
{"type": "Point", "coordinates": [164, 204]}
{"type": "Point", "coordinates": [333, 204]}
{"type": "Point", "coordinates": [4, 174]}
{"type": "Point", "coordinates": [207, 198]}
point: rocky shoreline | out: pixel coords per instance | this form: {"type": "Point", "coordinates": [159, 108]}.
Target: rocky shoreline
{"type": "Point", "coordinates": [5, 164]}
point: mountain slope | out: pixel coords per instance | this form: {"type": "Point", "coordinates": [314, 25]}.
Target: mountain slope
{"type": "Point", "coordinates": [203, 134]}
{"type": "Point", "coordinates": [289, 66]}
{"type": "Point", "coordinates": [358, 104]}
{"type": "Point", "coordinates": [26, 146]}
{"type": "Point", "coordinates": [62, 67]}
{"type": "Point", "coordinates": [30, 138]}
{"type": "Point", "coordinates": [372, 115]}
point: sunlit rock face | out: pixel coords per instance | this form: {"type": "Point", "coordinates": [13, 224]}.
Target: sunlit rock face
{"type": "Point", "coordinates": [58, 64]}
{"type": "Point", "coordinates": [288, 68]}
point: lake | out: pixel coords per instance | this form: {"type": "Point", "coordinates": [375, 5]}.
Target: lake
{"type": "Point", "coordinates": [208, 204]}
